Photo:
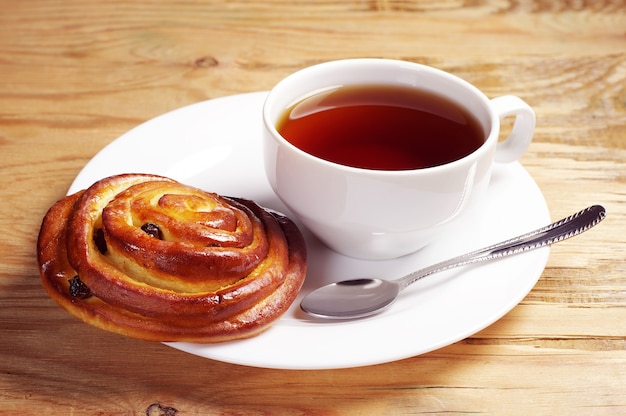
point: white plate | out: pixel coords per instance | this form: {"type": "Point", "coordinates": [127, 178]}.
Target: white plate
{"type": "Point", "coordinates": [216, 145]}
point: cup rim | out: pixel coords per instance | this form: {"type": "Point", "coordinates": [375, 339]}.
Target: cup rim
{"type": "Point", "coordinates": [477, 153]}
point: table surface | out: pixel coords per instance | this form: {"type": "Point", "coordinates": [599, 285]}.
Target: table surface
{"type": "Point", "coordinates": [75, 75]}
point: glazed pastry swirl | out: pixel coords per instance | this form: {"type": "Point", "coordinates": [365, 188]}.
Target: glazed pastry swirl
{"type": "Point", "coordinates": [151, 258]}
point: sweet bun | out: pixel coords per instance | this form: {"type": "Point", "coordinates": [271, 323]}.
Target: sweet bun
{"type": "Point", "coordinates": [151, 258]}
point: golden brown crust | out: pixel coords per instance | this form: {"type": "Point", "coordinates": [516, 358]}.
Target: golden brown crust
{"type": "Point", "coordinates": [207, 269]}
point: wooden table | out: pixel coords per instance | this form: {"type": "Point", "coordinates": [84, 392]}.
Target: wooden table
{"type": "Point", "coordinates": [75, 75]}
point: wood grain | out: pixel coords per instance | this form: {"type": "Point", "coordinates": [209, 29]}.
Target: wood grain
{"type": "Point", "coordinates": [77, 74]}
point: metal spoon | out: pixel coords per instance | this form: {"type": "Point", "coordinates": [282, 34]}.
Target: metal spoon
{"type": "Point", "coordinates": [359, 298]}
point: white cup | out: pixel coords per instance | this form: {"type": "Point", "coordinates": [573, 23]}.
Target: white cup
{"type": "Point", "coordinates": [382, 214]}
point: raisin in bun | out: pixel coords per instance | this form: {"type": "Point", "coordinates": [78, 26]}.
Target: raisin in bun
{"type": "Point", "coordinates": [148, 257]}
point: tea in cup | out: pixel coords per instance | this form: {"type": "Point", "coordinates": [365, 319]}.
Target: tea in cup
{"type": "Point", "coordinates": [375, 156]}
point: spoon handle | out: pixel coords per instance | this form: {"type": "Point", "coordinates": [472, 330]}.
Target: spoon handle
{"type": "Point", "coordinates": [553, 233]}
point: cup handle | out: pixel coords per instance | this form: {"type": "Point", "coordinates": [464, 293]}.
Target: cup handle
{"type": "Point", "coordinates": [514, 146]}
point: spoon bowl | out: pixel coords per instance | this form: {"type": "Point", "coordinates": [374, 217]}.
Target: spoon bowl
{"type": "Point", "coordinates": [359, 298]}
{"type": "Point", "coordinates": [350, 299]}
